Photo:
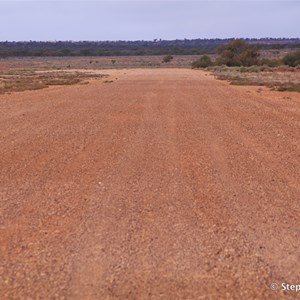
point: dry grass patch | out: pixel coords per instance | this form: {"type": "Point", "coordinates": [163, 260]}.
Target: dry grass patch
{"type": "Point", "coordinates": [21, 80]}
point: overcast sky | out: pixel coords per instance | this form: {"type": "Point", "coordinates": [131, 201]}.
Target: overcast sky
{"type": "Point", "coordinates": [146, 20]}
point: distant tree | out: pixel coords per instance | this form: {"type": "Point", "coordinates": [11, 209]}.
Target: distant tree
{"type": "Point", "coordinates": [203, 62]}
{"type": "Point", "coordinates": [113, 61]}
{"type": "Point", "coordinates": [292, 59]}
{"type": "Point", "coordinates": [237, 53]}
{"type": "Point", "coordinates": [167, 58]}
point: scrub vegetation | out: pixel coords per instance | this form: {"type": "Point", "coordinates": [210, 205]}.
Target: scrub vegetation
{"type": "Point", "coordinates": [239, 63]}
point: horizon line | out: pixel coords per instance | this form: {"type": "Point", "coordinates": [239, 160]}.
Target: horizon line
{"type": "Point", "coordinates": [157, 39]}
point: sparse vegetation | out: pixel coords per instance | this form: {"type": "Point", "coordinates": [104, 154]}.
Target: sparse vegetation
{"type": "Point", "coordinates": [281, 79]}
{"type": "Point", "coordinates": [238, 62]}
{"type": "Point", "coordinates": [21, 80]}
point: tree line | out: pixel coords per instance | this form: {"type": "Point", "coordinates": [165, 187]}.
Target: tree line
{"type": "Point", "coordinates": [128, 48]}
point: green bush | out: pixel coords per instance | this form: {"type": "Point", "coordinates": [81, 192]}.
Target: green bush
{"type": "Point", "coordinates": [167, 58]}
{"type": "Point", "coordinates": [203, 62]}
{"type": "Point", "coordinates": [237, 53]}
{"type": "Point", "coordinates": [292, 59]}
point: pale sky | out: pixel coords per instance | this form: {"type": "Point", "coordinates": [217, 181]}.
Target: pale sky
{"type": "Point", "coordinates": [146, 20]}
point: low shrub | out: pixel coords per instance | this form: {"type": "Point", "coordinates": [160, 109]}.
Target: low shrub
{"type": "Point", "coordinates": [292, 59]}
{"type": "Point", "coordinates": [203, 62]}
{"type": "Point", "coordinates": [167, 58]}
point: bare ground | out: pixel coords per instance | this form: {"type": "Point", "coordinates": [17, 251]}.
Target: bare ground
{"type": "Point", "coordinates": [163, 184]}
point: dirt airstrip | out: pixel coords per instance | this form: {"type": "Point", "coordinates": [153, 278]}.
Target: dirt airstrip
{"type": "Point", "coordinates": [162, 184]}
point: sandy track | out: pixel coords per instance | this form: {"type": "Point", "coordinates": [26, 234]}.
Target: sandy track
{"type": "Point", "coordinates": [165, 184]}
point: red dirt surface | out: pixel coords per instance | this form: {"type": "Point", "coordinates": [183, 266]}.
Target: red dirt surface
{"type": "Point", "coordinates": [164, 184]}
